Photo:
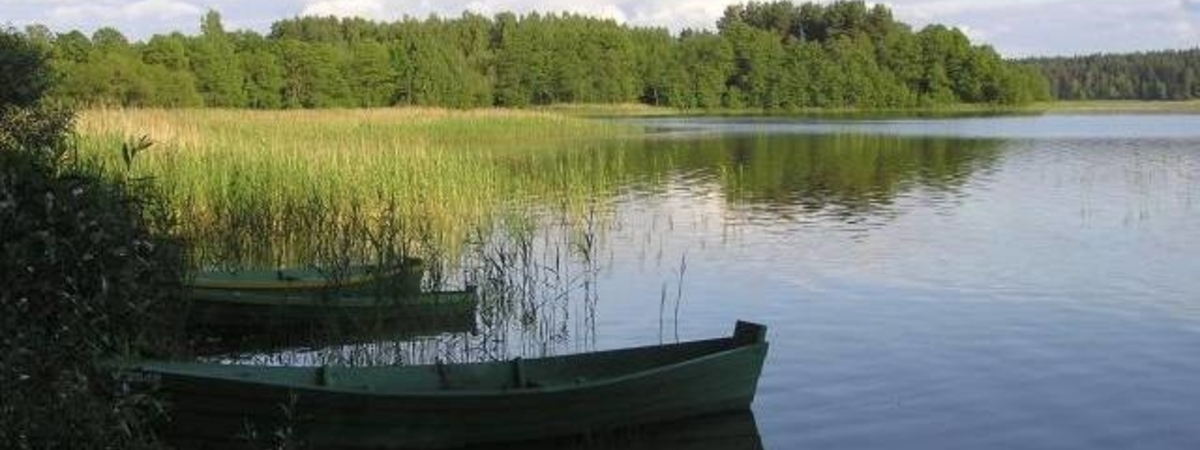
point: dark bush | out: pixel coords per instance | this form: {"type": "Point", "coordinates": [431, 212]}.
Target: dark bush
{"type": "Point", "coordinates": [84, 276]}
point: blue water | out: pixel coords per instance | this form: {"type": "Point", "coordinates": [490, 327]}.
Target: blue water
{"type": "Point", "coordinates": [1048, 298]}
{"type": "Point", "coordinates": [1144, 126]}
{"type": "Point", "coordinates": [1025, 282]}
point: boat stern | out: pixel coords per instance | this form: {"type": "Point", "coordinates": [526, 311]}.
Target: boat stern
{"type": "Point", "coordinates": [749, 333]}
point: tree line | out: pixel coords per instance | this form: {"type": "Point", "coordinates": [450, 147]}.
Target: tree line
{"type": "Point", "coordinates": [774, 55]}
{"type": "Point", "coordinates": [1158, 75]}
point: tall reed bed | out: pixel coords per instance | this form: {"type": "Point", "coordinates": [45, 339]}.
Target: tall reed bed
{"type": "Point", "coordinates": [537, 284]}
{"type": "Point", "coordinates": [255, 187]}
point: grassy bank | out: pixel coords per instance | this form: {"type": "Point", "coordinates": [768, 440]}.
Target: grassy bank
{"type": "Point", "coordinates": [1120, 106]}
{"type": "Point", "coordinates": [960, 109]}
{"type": "Point", "coordinates": [640, 110]}
{"type": "Point", "coordinates": [242, 179]}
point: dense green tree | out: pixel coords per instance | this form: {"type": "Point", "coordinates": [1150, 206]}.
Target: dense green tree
{"type": "Point", "coordinates": [773, 55]}
{"type": "Point", "coordinates": [519, 67]}
{"type": "Point", "coordinates": [944, 53]}
{"type": "Point", "coordinates": [860, 80]}
{"type": "Point", "coordinates": [169, 51]}
{"type": "Point", "coordinates": [25, 73]}
{"type": "Point", "coordinates": [430, 73]}
{"type": "Point", "coordinates": [108, 70]}
{"type": "Point", "coordinates": [826, 85]}
{"type": "Point", "coordinates": [758, 66]}
{"type": "Point", "coordinates": [654, 66]}
{"type": "Point", "coordinates": [263, 80]}
{"type": "Point", "coordinates": [111, 73]}
{"type": "Point", "coordinates": [218, 72]}
{"type": "Point", "coordinates": [313, 75]}
{"type": "Point", "coordinates": [706, 63]}
{"type": "Point", "coordinates": [39, 36]}
{"type": "Point", "coordinates": [72, 47]}
{"type": "Point", "coordinates": [110, 40]}
{"type": "Point", "coordinates": [171, 88]}
{"type": "Point", "coordinates": [370, 74]}
{"type": "Point", "coordinates": [899, 52]}
{"type": "Point", "coordinates": [1162, 75]}
{"type": "Point", "coordinates": [168, 72]}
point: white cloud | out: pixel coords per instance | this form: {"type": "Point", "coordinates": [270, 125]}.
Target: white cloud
{"type": "Point", "coordinates": [162, 9]}
{"type": "Point", "coordinates": [139, 10]}
{"type": "Point", "coordinates": [675, 14]}
{"type": "Point", "coordinates": [1014, 27]}
{"type": "Point", "coordinates": [372, 9]}
{"type": "Point", "coordinates": [1041, 27]}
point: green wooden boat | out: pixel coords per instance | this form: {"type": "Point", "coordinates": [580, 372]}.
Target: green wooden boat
{"type": "Point", "coordinates": [226, 309]}
{"type": "Point", "coordinates": [407, 274]}
{"type": "Point", "coordinates": [217, 328]}
{"type": "Point", "coordinates": [454, 405]}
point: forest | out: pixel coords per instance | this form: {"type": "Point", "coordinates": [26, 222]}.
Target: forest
{"type": "Point", "coordinates": [771, 56]}
{"type": "Point", "coordinates": [1159, 75]}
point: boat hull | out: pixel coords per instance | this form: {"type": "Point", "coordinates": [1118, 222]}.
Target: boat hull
{"type": "Point", "coordinates": [339, 408]}
{"type": "Point", "coordinates": [223, 321]}
{"type": "Point", "coordinates": [253, 310]}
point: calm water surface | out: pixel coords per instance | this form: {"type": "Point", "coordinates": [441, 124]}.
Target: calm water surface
{"type": "Point", "coordinates": [1010, 282]}
{"type": "Point", "coordinates": [1015, 282]}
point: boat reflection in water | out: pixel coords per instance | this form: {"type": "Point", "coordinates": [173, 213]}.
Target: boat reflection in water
{"type": "Point", "coordinates": [724, 431]}
{"type": "Point", "coordinates": [291, 340]}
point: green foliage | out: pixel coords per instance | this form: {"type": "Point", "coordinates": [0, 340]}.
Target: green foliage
{"type": "Point", "coordinates": [24, 72]}
{"type": "Point", "coordinates": [217, 69]}
{"type": "Point", "coordinates": [654, 66]}
{"type": "Point", "coordinates": [757, 66]}
{"type": "Point", "coordinates": [110, 40]}
{"type": "Point", "coordinates": [1163, 75]}
{"type": "Point", "coordinates": [775, 55]}
{"type": "Point", "coordinates": [264, 77]}
{"type": "Point", "coordinates": [706, 62]}
{"type": "Point", "coordinates": [168, 51]}
{"type": "Point", "coordinates": [312, 76]}
{"type": "Point", "coordinates": [370, 74]}
{"type": "Point", "coordinates": [221, 170]}
{"type": "Point", "coordinates": [86, 276]}
{"type": "Point", "coordinates": [429, 72]}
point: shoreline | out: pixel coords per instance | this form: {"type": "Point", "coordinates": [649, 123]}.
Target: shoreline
{"type": "Point", "coordinates": [957, 110]}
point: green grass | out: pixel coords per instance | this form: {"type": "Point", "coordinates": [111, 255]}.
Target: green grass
{"type": "Point", "coordinates": [1121, 106]}
{"type": "Point", "coordinates": [1071, 106]}
{"type": "Point", "coordinates": [612, 110]}
{"type": "Point", "coordinates": [253, 187]}
{"type": "Point", "coordinates": [641, 110]}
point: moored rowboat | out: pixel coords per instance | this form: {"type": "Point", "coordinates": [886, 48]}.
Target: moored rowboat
{"type": "Point", "coordinates": [229, 321]}
{"type": "Point", "coordinates": [362, 276]}
{"type": "Point", "coordinates": [258, 310]}
{"type": "Point", "coordinates": [450, 405]}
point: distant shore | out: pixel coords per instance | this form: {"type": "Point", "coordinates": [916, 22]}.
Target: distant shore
{"type": "Point", "coordinates": [1054, 107]}
{"type": "Point", "coordinates": [1120, 106]}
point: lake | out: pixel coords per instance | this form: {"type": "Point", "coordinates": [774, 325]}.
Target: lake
{"type": "Point", "coordinates": [986, 282]}
{"type": "Point", "coordinates": [1012, 282]}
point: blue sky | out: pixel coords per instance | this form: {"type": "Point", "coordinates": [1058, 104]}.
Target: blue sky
{"type": "Point", "coordinates": [1014, 27]}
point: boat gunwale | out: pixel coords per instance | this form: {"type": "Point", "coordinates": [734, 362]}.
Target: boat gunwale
{"type": "Point", "coordinates": [359, 275]}
{"type": "Point", "coordinates": [495, 392]}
